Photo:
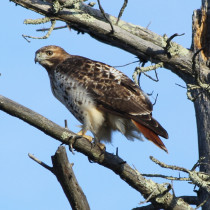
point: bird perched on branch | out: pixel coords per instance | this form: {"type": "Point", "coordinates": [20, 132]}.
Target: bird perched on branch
{"type": "Point", "coordinates": [102, 98]}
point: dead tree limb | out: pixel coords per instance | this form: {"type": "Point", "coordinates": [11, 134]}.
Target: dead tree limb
{"type": "Point", "coordinates": [137, 40]}
{"type": "Point", "coordinates": [160, 195]}
{"type": "Point", "coordinates": [65, 175]}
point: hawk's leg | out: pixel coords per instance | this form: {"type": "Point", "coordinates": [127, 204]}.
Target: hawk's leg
{"type": "Point", "coordinates": [96, 142]}
{"type": "Point", "coordinates": [79, 135]}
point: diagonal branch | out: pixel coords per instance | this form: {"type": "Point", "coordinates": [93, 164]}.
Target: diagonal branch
{"type": "Point", "coordinates": [42, 37]}
{"type": "Point", "coordinates": [137, 40]}
{"type": "Point", "coordinates": [161, 198]}
{"type": "Point", "coordinates": [103, 13]}
{"type": "Point", "coordinates": [122, 10]}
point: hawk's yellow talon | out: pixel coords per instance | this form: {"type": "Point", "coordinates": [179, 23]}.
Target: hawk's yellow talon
{"type": "Point", "coordinates": [82, 133]}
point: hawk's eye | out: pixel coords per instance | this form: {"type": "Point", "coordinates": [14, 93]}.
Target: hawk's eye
{"type": "Point", "coordinates": [49, 52]}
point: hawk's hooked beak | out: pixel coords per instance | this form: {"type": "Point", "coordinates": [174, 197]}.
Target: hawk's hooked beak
{"type": "Point", "coordinates": [36, 59]}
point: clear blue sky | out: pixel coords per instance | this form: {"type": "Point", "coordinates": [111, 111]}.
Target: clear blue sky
{"type": "Point", "coordinates": [26, 185]}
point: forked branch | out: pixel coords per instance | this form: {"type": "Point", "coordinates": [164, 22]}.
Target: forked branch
{"type": "Point", "coordinates": [63, 170]}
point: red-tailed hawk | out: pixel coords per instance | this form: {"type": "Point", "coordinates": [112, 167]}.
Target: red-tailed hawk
{"type": "Point", "coordinates": [102, 98]}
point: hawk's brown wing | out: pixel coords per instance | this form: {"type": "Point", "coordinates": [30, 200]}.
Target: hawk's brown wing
{"type": "Point", "coordinates": [112, 91]}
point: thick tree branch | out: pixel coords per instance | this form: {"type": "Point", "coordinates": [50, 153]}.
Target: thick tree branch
{"type": "Point", "coordinates": [201, 48]}
{"type": "Point", "coordinates": [65, 175]}
{"type": "Point", "coordinates": [137, 40]}
{"type": "Point", "coordinates": [160, 195]}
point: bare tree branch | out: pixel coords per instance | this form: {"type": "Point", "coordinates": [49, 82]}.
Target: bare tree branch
{"type": "Point", "coordinates": [41, 163]}
{"type": "Point", "coordinates": [122, 10]}
{"type": "Point", "coordinates": [198, 178]}
{"type": "Point", "coordinates": [65, 175]}
{"type": "Point", "coordinates": [137, 40]}
{"type": "Point", "coordinates": [107, 19]}
{"type": "Point", "coordinates": [161, 197]}
{"type": "Point", "coordinates": [143, 43]}
{"type": "Point", "coordinates": [45, 36]}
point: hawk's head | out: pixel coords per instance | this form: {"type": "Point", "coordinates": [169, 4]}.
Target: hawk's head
{"type": "Point", "coordinates": [50, 56]}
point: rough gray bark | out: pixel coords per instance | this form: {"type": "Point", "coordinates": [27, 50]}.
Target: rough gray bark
{"type": "Point", "coordinates": [202, 109]}
{"type": "Point", "coordinates": [65, 175]}
{"type": "Point", "coordinates": [201, 39]}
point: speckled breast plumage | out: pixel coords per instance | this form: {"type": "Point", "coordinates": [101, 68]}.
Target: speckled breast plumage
{"type": "Point", "coordinates": [71, 94]}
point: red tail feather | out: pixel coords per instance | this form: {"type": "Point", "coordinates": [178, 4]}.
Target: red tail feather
{"type": "Point", "coordinates": [150, 135]}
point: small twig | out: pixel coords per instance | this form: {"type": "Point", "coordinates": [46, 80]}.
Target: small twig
{"type": "Point", "coordinates": [66, 123]}
{"type": "Point", "coordinates": [170, 48]}
{"type": "Point", "coordinates": [180, 86]}
{"type": "Point", "coordinates": [150, 94]}
{"type": "Point", "coordinates": [45, 36]}
{"type": "Point", "coordinates": [163, 165]}
{"type": "Point", "coordinates": [122, 10]}
{"type": "Point", "coordinates": [41, 163]}
{"type": "Point", "coordinates": [126, 64]}
{"type": "Point", "coordinates": [47, 29]}
{"type": "Point", "coordinates": [117, 151]}
{"type": "Point", "coordinates": [167, 177]}
{"type": "Point", "coordinates": [148, 24]}
{"type": "Point", "coordinates": [139, 70]}
{"type": "Point", "coordinates": [199, 162]}
{"type": "Point", "coordinates": [156, 75]}
{"type": "Point", "coordinates": [139, 76]}
{"type": "Point", "coordinates": [104, 15]}
{"type": "Point", "coordinates": [170, 38]}
{"type": "Point", "coordinates": [155, 100]}
{"type": "Point", "coordinates": [149, 197]}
